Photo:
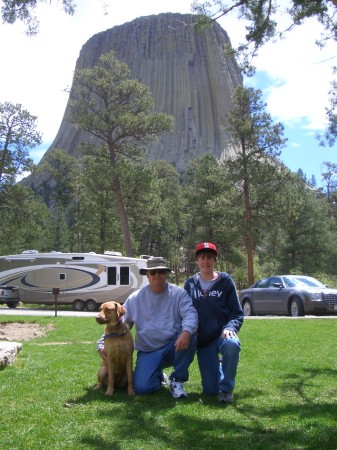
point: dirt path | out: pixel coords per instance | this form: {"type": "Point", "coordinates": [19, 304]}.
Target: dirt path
{"type": "Point", "coordinates": [22, 331]}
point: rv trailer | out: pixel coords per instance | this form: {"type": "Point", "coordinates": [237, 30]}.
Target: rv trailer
{"type": "Point", "coordinates": [84, 280]}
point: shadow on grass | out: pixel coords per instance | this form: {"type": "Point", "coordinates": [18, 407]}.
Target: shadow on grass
{"type": "Point", "coordinates": [300, 384]}
{"type": "Point", "coordinates": [291, 420]}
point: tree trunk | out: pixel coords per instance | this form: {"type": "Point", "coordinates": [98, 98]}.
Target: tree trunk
{"type": "Point", "coordinates": [250, 252]}
{"type": "Point", "coordinates": [122, 216]}
{"type": "Point", "coordinates": [250, 240]}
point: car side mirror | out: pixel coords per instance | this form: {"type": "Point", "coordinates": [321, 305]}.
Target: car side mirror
{"type": "Point", "coordinates": [277, 285]}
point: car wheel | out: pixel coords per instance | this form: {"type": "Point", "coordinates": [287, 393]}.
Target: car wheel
{"type": "Point", "coordinates": [91, 305]}
{"type": "Point", "coordinates": [78, 305]}
{"type": "Point", "coordinates": [247, 308]}
{"type": "Point", "coordinates": [12, 304]}
{"type": "Point", "coordinates": [296, 307]}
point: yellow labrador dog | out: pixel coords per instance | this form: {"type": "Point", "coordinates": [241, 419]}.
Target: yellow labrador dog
{"type": "Point", "coordinates": [118, 347]}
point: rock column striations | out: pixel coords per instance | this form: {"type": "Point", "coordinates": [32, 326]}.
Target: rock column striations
{"type": "Point", "coordinates": [188, 73]}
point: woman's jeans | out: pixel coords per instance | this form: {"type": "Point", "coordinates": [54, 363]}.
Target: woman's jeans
{"type": "Point", "coordinates": [149, 366]}
{"type": "Point", "coordinates": [215, 376]}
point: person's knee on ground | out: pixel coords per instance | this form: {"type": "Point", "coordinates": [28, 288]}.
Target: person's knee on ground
{"type": "Point", "coordinates": [144, 386]}
{"type": "Point", "coordinates": [208, 361]}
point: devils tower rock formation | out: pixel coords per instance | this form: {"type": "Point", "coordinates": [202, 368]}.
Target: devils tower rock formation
{"type": "Point", "coordinates": [188, 73]}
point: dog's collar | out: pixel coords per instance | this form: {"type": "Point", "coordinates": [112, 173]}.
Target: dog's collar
{"type": "Point", "coordinates": [113, 335]}
{"type": "Point", "coordinates": [110, 335]}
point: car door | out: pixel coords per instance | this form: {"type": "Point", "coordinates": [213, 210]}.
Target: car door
{"type": "Point", "coordinates": [273, 299]}
{"type": "Point", "coordinates": [258, 296]}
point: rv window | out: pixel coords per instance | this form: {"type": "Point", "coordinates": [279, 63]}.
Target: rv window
{"type": "Point", "coordinates": [124, 275]}
{"type": "Point", "coordinates": [112, 275]}
{"type": "Point", "coordinates": [62, 276]}
{"type": "Point", "coordinates": [78, 258]}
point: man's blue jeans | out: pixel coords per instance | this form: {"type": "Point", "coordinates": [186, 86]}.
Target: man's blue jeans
{"type": "Point", "coordinates": [215, 376]}
{"type": "Point", "coordinates": [149, 366]}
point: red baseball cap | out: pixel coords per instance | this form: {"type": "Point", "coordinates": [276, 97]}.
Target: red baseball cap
{"type": "Point", "coordinates": [206, 247]}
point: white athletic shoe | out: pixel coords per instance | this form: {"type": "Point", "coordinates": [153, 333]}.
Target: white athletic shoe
{"type": "Point", "coordinates": [177, 389]}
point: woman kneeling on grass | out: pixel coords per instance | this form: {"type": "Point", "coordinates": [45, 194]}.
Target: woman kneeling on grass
{"type": "Point", "coordinates": [215, 298]}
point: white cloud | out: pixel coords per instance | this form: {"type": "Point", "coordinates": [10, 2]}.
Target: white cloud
{"type": "Point", "coordinates": [40, 68]}
{"type": "Point", "coordinates": [305, 74]}
{"type": "Point", "coordinates": [298, 72]}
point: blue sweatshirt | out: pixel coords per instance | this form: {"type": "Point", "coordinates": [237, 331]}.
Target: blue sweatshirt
{"type": "Point", "coordinates": [218, 309]}
{"type": "Point", "coordinates": [158, 318]}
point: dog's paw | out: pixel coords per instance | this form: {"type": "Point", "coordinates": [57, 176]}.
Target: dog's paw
{"type": "Point", "coordinates": [130, 389]}
{"type": "Point", "coordinates": [109, 393]}
{"type": "Point", "coordinates": [98, 386]}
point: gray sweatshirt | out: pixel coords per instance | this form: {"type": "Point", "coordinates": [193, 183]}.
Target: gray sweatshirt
{"type": "Point", "coordinates": [158, 318]}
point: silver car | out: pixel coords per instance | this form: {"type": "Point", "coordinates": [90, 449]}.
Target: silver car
{"type": "Point", "coordinates": [293, 295]}
{"type": "Point", "coordinates": [9, 295]}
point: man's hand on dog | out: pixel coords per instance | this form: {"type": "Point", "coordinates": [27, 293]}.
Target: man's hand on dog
{"type": "Point", "coordinates": [183, 341]}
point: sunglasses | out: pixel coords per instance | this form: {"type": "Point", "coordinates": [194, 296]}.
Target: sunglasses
{"type": "Point", "coordinates": [153, 272]}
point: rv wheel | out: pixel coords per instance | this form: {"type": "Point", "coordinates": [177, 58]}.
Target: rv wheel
{"type": "Point", "coordinates": [91, 305]}
{"type": "Point", "coordinates": [78, 305]}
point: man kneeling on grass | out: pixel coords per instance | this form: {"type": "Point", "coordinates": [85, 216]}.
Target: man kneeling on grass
{"type": "Point", "coordinates": [166, 323]}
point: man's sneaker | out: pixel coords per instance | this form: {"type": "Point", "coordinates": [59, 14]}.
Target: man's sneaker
{"type": "Point", "coordinates": [177, 389]}
{"type": "Point", "coordinates": [165, 381]}
{"type": "Point", "coordinates": [226, 397]}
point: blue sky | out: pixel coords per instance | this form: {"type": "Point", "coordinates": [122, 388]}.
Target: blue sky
{"type": "Point", "coordinates": [293, 74]}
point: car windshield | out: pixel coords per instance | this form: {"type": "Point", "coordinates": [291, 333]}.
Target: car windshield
{"type": "Point", "coordinates": [299, 281]}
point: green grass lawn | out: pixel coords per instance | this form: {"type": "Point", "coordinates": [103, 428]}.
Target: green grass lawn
{"type": "Point", "coordinates": [286, 394]}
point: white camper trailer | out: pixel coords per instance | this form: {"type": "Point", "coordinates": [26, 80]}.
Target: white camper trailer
{"type": "Point", "coordinates": [84, 280]}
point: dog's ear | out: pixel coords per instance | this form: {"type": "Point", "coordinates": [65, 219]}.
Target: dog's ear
{"type": "Point", "coordinates": [120, 310]}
